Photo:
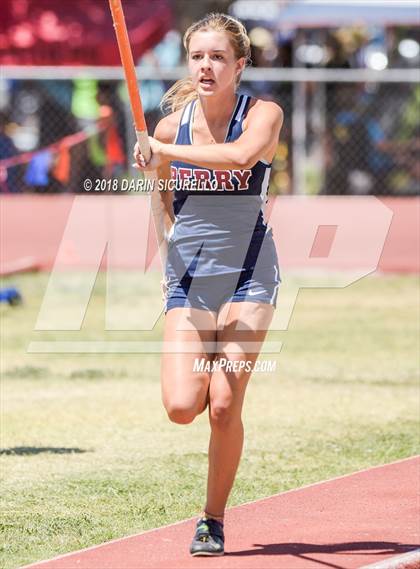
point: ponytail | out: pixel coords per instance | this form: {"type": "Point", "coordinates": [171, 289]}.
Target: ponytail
{"type": "Point", "coordinates": [179, 95]}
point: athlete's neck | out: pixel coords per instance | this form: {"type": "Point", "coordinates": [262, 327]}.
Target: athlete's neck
{"type": "Point", "coordinates": [217, 112]}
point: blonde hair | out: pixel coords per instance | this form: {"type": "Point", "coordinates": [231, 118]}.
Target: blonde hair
{"type": "Point", "coordinates": [182, 92]}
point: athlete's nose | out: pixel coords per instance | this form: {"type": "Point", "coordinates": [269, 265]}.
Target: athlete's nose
{"type": "Point", "coordinates": [206, 62]}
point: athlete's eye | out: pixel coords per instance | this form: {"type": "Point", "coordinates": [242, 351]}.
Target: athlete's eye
{"type": "Point", "coordinates": [219, 57]}
{"type": "Point", "coordinates": [196, 56]}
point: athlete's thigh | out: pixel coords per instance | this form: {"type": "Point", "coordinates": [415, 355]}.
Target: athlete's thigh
{"type": "Point", "coordinates": [189, 337]}
{"type": "Point", "coordinates": [241, 331]}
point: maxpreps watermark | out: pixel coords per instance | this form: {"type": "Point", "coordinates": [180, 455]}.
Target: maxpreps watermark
{"type": "Point", "coordinates": [202, 365]}
{"type": "Point", "coordinates": [120, 227]}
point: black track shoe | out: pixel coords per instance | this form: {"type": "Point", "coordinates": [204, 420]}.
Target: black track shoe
{"type": "Point", "coordinates": [209, 538]}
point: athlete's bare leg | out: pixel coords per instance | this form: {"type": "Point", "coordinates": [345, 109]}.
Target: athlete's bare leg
{"type": "Point", "coordinates": [227, 390]}
{"type": "Point", "coordinates": [189, 333]}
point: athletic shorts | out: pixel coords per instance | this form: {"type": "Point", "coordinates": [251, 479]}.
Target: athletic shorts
{"type": "Point", "coordinates": [211, 292]}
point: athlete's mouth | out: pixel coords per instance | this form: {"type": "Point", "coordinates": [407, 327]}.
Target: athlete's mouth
{"type": "Point", "coordinates": [207, 81]}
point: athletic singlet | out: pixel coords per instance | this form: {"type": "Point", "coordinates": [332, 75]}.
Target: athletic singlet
{"type": "Point", "coordinates": [219, 214]}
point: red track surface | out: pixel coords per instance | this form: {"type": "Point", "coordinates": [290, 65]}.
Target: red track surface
{"type": "Point", "coordinates": [344, 523]}
{"type": "Point", "coordinates": [34, 226]}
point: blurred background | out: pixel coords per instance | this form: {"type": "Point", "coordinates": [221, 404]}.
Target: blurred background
{"type": "Point", "coordinates": [346, 74]}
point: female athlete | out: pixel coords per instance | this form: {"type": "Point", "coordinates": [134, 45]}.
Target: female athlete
{"type": "Point", "coordinates": [222, 271]}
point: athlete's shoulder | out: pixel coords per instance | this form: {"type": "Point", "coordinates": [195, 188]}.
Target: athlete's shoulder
{"type": "Point", "coordinates": [258, 108]}
{"type": "Point", "coordinates": [167, 127]}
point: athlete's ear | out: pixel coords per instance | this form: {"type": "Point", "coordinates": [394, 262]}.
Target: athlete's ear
{"type": "Point", "coordinates": [240, 65]}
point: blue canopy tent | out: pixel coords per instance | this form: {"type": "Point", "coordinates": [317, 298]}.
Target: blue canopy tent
{"type": "Point", "coordinates": [311, 13]}
{"type": "Point", "coordinates": [326, 13]}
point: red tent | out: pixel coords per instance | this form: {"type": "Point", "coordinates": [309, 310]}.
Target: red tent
{"type": "Point", "coordinates": [76, 32]}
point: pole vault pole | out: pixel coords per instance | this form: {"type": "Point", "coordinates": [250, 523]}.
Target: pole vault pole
{"type": "Point", "coordinates": [139, 120]}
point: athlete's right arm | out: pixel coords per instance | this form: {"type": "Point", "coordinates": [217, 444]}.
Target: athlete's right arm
{"type": "Point", "coordinates": [165, 131]}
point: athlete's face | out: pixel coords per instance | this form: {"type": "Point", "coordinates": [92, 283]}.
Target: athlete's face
{"type": "Point", "coordinates": [212, 62]}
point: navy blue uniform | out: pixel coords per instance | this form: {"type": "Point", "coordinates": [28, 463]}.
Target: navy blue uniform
{"type": "Point", "coordinates": [220, 248]}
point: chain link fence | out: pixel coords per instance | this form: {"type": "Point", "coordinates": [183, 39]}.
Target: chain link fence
{"type": "Point", "coordinates": [343, 133]}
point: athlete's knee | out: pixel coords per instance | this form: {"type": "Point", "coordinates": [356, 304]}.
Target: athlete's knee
{"type": "Point", "coordinates": [181, 413]}
{"type": "Point", "coordinates": [223, 415]}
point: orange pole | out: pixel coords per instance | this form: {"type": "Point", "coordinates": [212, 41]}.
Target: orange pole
{"type": "Point", "coordinates": [130, 74]}
{"type": "Point", "coordinates": [139, 120]}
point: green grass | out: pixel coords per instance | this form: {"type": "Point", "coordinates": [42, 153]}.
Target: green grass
{"type": "Point", "coordinates": [89, 454]}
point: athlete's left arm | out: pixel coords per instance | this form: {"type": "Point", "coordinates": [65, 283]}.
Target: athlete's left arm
{"type": "Point", "coordinates": [264, 123]}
